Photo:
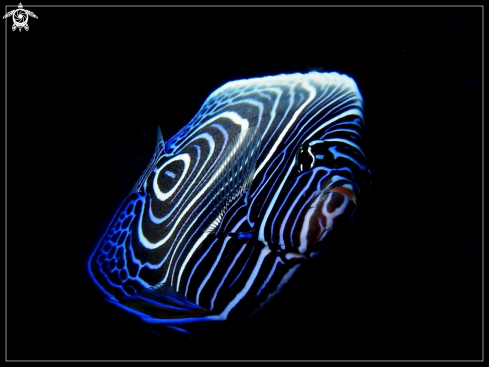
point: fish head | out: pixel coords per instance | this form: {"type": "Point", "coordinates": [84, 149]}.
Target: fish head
{"type": "Point", "coordinates": [326, 196]}
{"type": "Point", "coordinates": [323, 180]}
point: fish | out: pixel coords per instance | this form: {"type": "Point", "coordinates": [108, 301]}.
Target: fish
{"type": "Point", "coordinates": [268, 174]}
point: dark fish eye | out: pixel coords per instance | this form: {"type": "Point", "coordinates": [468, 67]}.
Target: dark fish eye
{"type": "Point", "coordinates": [313, 153]}
{"type": "Point", "coordinates": [305, 158]}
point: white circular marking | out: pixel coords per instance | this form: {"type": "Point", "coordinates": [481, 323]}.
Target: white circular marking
{"type": "Point", "coordinates": [185, 158]}
{"type": "Point", "coordinates": [20, 18]}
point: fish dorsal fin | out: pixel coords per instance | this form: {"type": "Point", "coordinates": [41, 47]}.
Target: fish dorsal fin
{"type": "Point", "coordinates": [159, 151]}
{"type": "Point", "coordinates": [159, 140]}
{"type": "Point", "coordinates": [163, 302]}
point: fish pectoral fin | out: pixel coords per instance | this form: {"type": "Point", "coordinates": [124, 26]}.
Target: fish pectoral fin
{"type": "Point", "coordinates": [163, 302]}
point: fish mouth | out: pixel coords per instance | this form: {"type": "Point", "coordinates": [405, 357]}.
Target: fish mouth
{"type": "Point", "coordinates": [338, 202]}
{"type": "Point", "coordinates": [332, 207]}
{"type": "Point", "coordinates": [346, 191]}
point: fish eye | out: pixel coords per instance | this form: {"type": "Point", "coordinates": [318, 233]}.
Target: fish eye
{"type": "Point", "coordinates": [313, 153]}
{"type": "Point", "coordinates": [305, 158]}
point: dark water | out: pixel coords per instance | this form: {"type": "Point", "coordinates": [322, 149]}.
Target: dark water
{"type": "Point", "coordinates": [86, 90]}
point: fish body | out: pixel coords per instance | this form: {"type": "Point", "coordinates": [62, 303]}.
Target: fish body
{"type": "Point", "coordinates": [268, 173]}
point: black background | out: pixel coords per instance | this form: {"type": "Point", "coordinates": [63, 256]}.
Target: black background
{"type": "Point", "coordinates": [86, 90]}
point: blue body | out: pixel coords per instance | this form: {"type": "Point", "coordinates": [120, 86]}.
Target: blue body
{"type": "Point", "coordinates": [267, 174]}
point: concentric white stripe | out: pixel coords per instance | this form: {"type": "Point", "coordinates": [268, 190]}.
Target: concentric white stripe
{"type": "Point", "coordinates": [150, 245]}
{"type": "Point", "coordinates": [185, 158]}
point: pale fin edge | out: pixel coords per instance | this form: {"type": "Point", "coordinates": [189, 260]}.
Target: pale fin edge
{"type": "Point", "coordinates": [163, 302]}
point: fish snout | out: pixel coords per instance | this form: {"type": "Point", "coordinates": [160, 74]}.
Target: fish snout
{"type": "Point", "coordinates": [326, 217]}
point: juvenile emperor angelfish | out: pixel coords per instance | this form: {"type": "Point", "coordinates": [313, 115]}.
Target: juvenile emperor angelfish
{"type": "Point", "coordinates": [267, 174]}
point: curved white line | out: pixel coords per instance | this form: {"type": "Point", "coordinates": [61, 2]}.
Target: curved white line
{"type": "Point", "coordinates": [226, 275]}
{"type": "Point", "coordinates": [185, 157]}
{"type": "Point", "coordinates": [264, 252]}
{"type": "Point", "coordinates": [278, 141]}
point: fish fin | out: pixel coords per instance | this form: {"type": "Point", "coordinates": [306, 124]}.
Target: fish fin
{"type": "Point", "coordinates": [181, 330]}
{"type": "Point", "coordinates": [159, 139]}
{"type": "Point", "coordinates": [159, 151]}
{"type": "Point", "coordinates": [163, 302]}
{"type": "Point", "coordinates": [233, 173]}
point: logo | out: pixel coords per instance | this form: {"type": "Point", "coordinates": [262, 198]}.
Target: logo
{"type": "Point", "coordinates": [20, 17]}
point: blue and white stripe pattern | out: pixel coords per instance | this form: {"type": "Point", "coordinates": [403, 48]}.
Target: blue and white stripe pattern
{"type": "Point", "coordinates": [267, 174]}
